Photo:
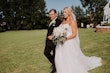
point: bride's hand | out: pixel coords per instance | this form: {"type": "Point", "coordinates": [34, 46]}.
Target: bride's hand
{"type": "Point", "coordinates": [66, 38]}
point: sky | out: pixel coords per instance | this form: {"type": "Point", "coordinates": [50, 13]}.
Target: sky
{"type": "Point", "coordinates": [60, 4]}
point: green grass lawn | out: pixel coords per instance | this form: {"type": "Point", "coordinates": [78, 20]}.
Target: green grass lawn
{"type": "Point", "coordinates": [22, 51]}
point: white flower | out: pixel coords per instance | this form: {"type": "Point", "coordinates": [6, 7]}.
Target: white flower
{"type": "Point", "coordinates": [53, 23]}
{"type": "Point", "coordinates": [59, 35]}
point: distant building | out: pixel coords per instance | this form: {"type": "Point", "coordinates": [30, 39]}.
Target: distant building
{"type": "Point", "coordinates": [106, 17]}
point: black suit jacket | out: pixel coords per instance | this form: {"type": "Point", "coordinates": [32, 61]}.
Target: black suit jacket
{"type": "Point", "coordinates": [50, 30]}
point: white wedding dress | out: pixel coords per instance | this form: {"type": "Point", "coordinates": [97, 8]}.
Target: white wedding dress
{"type": "Point", "coordinates": [69, 57]}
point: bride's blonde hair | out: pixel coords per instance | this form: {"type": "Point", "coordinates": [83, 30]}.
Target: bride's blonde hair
{"type": "Point", "coordinates": [72, 17]}
{"type": "Point", "coordinates": [70, 12]}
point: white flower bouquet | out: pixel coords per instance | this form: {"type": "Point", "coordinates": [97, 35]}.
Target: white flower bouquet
{"type": "Point", "coordinates": [59, 35]}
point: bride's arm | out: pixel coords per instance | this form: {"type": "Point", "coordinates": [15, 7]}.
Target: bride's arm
{"type": "Point", "coordinates": [74, 30]}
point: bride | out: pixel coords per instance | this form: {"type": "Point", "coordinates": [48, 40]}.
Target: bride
{"type": "Point", "coordinates": [69, 57]}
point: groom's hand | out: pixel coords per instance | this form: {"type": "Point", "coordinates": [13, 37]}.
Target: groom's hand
{"type": "Point", "coordinates": [50, 37]}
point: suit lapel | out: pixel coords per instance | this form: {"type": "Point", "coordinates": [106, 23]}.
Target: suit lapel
{"type": "Point", "coordinates": [53, 22]}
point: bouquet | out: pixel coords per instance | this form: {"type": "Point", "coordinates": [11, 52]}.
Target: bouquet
{"type": "Point", "coordinates": [59, 35]}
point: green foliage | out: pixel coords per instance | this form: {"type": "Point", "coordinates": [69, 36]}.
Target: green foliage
{"type": "Point", "coordinates": [2, 29]}
{"type": "Point", "coordinates": [80, 16]}
{"type": "Point", "coordinates": [22, 51]}
{"type": "Point", "coordinates": [23, 14]}
{"type": "Point", "coordinates": [107, 24]}
{"type": "Point", "coordinates": [94, 9]}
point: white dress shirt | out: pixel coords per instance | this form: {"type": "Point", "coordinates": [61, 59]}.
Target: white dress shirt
{"type": "Point", "coordinates": [52, 22]}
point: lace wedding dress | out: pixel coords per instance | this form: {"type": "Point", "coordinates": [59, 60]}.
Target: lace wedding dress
{"type": "Point", "coordinates": [69, 57]}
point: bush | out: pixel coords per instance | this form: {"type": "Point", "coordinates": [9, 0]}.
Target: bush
{"type": "Point", "coordinates": [3, 28]}
{"type": "Point", "coordinates": [107, 24]}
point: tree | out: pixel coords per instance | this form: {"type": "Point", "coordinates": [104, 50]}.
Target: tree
{"type": "Point", "coordinates": [60, 15]}
{"type": "Point", "coordinates": [80, 15]}
{"type": "Point", "coordinates": [94, 9]}
{"type": "Point", "coordinates": [23, 14]}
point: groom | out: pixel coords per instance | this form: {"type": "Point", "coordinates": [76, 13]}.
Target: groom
{"type": "Point", "coordinates": [55, 22]}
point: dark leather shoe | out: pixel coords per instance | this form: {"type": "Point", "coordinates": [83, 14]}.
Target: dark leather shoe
{"type": "Point", "coordinates": [53, 69]}
{"type": "Point", "coordinates": [51, 66]}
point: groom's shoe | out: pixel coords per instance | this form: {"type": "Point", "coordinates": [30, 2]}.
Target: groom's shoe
{"type": "Point", "coordinates": [53, 71]}
{"type": "Point", "coordinates": [53, 68]}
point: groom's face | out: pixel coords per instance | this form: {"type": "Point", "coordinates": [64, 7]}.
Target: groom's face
{"type": "Point", "coordinates": [52, 15]}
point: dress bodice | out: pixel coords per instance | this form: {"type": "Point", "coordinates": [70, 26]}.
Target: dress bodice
{"type": "Point", "coordinates": [68, 27]}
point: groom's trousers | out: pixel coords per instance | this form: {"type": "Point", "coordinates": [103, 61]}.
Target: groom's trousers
{"type": "Point", "coordinates": [49, 51]}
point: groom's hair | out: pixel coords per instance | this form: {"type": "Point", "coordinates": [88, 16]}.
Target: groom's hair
{"type": "Point", "coordinates": [53, 10]}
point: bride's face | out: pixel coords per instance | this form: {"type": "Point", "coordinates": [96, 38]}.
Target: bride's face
{"type": "Point", "coordinates": [65, 13]}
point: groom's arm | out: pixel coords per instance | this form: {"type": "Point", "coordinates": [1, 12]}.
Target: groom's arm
{"type": "Point", "coordinates": [58, 22]}
{"type": "Point", "coordinates": [49, 33]}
